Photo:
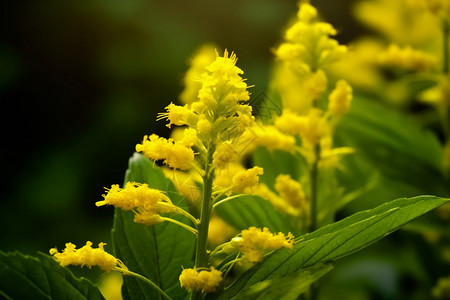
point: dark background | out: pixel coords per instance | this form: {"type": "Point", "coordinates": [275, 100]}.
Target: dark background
{"type": "Point", "coordinates": [81, 83]}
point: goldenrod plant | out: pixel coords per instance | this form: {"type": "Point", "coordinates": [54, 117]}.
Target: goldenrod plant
{"type": "Point", "coordinates": [242, 200]}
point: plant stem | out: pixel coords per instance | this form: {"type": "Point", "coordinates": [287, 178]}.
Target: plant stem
{"type": "Point", "coordinates": [314, 178]}
{"type": "Point", "coordinates": [201, 255]}
{"type": "Point", "coordinates": [146, 280]}
{"type": "Point", "coordinates": [187, 227]}
{"type": "Point", "coordinates": [313, 214]}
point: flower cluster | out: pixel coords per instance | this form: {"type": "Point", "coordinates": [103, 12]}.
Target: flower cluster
{"type": "Point", "coordinates": [308, 46]}
{"type": "Point", "coordinates": [201, 280]}
{"type": "Point", "coordinates": [254, 243]}
{"type": "Point", "coordinates": [147, 203]}
{"type": "Point", "coordinates": [87, 256]}
{"type": "Point", "coordinates": [217, 118]}
{"type": "Point", "coordinates": [407, 58]}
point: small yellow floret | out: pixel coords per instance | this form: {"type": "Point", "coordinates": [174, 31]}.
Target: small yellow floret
{"type": "Point", "coordinates": [291, 191]}
{"type": "Point", "coordinates": [244, 180]}
{"type": "Point", "coordinates": [316, 84]}
{"type": "Point", "coordinates": [178, 115]}
{"type": "Point", "coordinates": [407, 58]}
{"type": "Point", "coordinates": [175, 155]}
{"type": "Point", "coordinates": [206, 281]}
{"type": "Point", "coordinates": [340, 99]}
{"type": "Point", "coordinates": [147, 203]}
{"type": "Point", "coordinates": [254, 243]}
{"type": "Point", "coordinates": [86, 256]}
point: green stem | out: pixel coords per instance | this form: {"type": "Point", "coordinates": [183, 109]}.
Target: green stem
{"type": "Point", "coordinates": [201, 258]}
{"type": "Point", "coordinates": [314, 178]}
{"type": "Point", "coordinates": [187, 227]}
{"type": "Point", "coordinates": [146, 280]}
{"type": "Point", "coordinates": [227, 199]}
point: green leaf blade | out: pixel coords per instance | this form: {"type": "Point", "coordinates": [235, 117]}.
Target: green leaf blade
{"type": "Point", "coordinates": [336, 240]}
{"type": "Point", "coordinates": [26, 277]}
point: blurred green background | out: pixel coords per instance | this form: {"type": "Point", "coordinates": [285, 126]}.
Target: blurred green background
{"type": "Point", "coordinates": [81, 83]}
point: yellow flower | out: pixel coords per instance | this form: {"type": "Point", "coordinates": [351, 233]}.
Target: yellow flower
{"type": "Point", "coordinates": [87, 256]}
{"type": "Point", "coordinates": [267, 136]}
{"type": "Point", "coordinates": [340, 98]}
{"type": "Point", "coordinates": [175, 155]}
{"type": "Point", "coordinates": [202, 58]}
{"type": "Point", "coordinates": [247, 179]}
{"type": "Point", "coordinates": [315, 84]}
{"type": "Point", "coordinates": [206, 281]}
{"type": "Point", "coordinates": [407, 58]}
{"type": "Point", "coordinates": [254, 243]}
{"type": "Point", "coordinates": [291, 191]}
{"type": "Point", "coordinates": [278, 203]}
{"type": "Point", "coordinates": [311, 128]}
{"type": "Point", "coordinates": [308, 46]}
{"type": "Point", "coordinates": [178, 115]}
{"type": "Point", "coordinates": [147, 203]}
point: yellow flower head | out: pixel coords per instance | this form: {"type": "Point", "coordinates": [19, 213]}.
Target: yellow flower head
{"type": "Point", "coordinates": [291, 191]}
{"type": "Point", "coordinates": [87, 256]}
{"type": "Point", "coordinates": [308, 46]}
{"type": "Point", "coordinates": [340, 98]}
{"type": "Point", "coordinates": [175, 155]}
{"type": "Point", "coordinates": [267, 136]}
{"type": "Point", "coordinates": [247, 179]}
{"type": "Point", "coordinates": [254, 243]}
{"type": "Point", "coordinates": [147, 203]}
{"type": "Point", "coordinates": [311, 128]}
{"type": "Point", "coordinates": [407, 58]}
{"type": "Point", "coordinates": [178, 115]}
{"type": "Point", "coordinates": [205, 281]}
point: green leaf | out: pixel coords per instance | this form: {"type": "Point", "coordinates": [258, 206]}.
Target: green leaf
{"type": "Point", "coordinates": [246, 211]}
{"type": "Point", "coordinates": [26, 277]}
{"type": "Point", "coordinates": [408, 158]}
{"type": "Point", "coordinates": [336, 240]}
{"type": "Point", "coordinates": [286, 287]}
{"type": "Point", "coordinates": [157, 252]}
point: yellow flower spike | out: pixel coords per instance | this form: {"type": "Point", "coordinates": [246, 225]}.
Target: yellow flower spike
{"type": "Point", "coordinates": [254, 243]}
{"type": "Point", "coordinates": [87, 256]}
{"type": "Point", "coordinates": [340, 99]}
{"type": "Point", "coordinates": [247, 179]}
{"type": "Point", "coordinates": [308, 46]}
{"type": "Point", "coordinates": [207, 281]}
{"type": "Point", "coordinates": [407, 58]}
{"type": "Point", "coordinates": [291, 191]}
